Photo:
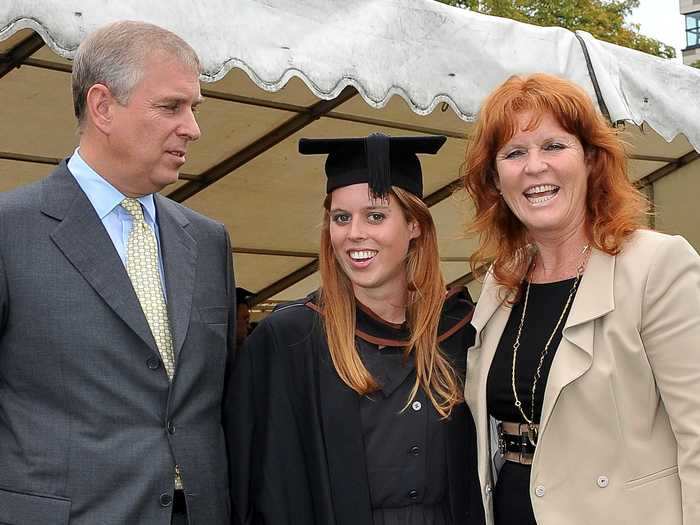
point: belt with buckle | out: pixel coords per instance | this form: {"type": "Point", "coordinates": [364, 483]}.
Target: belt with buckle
{"type": "Point", "coordinates": [517, 441]}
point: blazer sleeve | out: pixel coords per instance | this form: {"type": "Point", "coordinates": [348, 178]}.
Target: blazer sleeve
{"type": "Point", "coordinates": [670, 331]}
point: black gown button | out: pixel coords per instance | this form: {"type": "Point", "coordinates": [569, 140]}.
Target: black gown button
{"type": "Point", "coordinates": [165, 500]}
{"type": "Point", "coordinates": [153, 363]}
{"type": "Point", "coordinates": [413, 495]}
{"type": "Point", "coordinates": [171, 427]}
{"type": "Point", "coordinates": [415, 450]}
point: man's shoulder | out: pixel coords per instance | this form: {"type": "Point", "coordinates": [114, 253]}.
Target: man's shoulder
{"type": "Point", "coordinates": [33, 194]}
{"type": "Point", "coordinates": [196, 218]}
{"type": "Point", "coordinates": [23, 198]}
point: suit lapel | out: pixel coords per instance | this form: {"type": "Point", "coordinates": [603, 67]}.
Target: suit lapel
{"type": "Point", "coordinates": [179, 252]}
{"type": "Point", "coordinates": [345, 452]}
{"type": "Point", "coordinates": [83, 240]}
{"type": "Point", "coordinates": [574, 356]}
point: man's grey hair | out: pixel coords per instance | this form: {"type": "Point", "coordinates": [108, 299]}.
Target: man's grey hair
{"type": "Point", "coordinates": [115, 56]}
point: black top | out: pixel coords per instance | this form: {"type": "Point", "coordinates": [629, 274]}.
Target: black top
{"type": "Point", "coordinates": [512, 505]}
{"type": "Point", "coordinates": [405, 448]}
{"type": "Point", "coordinates": [314, 452]}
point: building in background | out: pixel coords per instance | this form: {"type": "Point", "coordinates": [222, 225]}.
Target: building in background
{"type": "Point", "coordinates": [690, 9]}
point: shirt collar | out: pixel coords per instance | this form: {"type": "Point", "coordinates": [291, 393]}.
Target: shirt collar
{"type": "Point", "coordinates": [102, 195]}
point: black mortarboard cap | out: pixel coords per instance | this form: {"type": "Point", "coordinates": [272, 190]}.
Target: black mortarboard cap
{"type": "Point", "coordinates": [379, 160]}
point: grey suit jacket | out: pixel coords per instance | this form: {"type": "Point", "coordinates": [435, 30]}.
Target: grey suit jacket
{"type": "Point", "coordinates": [90, 426]}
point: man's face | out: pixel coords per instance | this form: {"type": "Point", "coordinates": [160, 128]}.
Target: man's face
{"type": "Point", "coordinates": [242, 322]}
{"type": "Point", "coordinates": [150, 133]}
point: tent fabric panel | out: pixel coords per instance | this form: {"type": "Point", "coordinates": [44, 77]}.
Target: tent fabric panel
{"type": "Point", "coordinates": [676, 200]}
{"type": "Point", "coordinates": [638, 169]}
{"type": "Point", "coordinates": [37, 113]}
{"type": "Point", "coordinates": [638, 88]}
{"type": "Point", "coordinates": [227, 127]}
{"type": "Point", "coordinates": [255, 272]}
{"type": "Point", "coordinates": [298, 290]}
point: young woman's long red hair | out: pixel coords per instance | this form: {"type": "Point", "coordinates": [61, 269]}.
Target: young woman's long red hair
{"type": "Point", "coordinates": [426, 296]}
{"type": "Point", "coordinates": [614, 207]}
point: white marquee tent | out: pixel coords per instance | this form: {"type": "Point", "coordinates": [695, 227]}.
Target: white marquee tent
{"type": "Point", "coordinates": [278, 70]}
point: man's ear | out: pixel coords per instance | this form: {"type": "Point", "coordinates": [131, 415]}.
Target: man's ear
{"type": "Point", "coordinates": [100, 107]}
{"type": "Point", "coordinates": [414, 229]}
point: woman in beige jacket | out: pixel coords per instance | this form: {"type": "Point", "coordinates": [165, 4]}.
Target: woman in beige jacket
{"type": "Point", "coordinates": [584, 381]}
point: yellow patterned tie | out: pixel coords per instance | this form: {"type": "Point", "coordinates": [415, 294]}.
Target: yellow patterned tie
{"type": "Point", "coordinates": [142, 267]}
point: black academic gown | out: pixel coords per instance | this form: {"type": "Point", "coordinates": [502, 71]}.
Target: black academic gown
{"type": "Point", "coordinates": [296, 442]}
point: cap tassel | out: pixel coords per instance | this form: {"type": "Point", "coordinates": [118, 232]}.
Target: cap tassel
{"type": "Point", "coordinates": [377, 149]}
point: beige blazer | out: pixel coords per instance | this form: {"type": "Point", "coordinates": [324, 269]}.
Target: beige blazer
{"type": "Point", "coordinates": [619, 438]}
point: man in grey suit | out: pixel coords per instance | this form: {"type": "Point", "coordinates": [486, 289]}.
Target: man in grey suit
{"type": "Point", "coordinates": [116, 308]}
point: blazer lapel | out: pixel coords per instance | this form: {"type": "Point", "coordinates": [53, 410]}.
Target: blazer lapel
{"type": "Point", "coordinates": [84, 241]}
{"type": "Point", "coordinates": [345, 452]}
{"type": "Point", "coordinates": [491, 310]}
{"type": "Point", "coordinates": [489, 301]}
{"type": "Point", "coordinates": [574, 356]}
{"type": "Point", "coordinates": [179, 252]}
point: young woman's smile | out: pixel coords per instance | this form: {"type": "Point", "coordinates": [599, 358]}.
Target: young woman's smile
{"type": "Point", "coordinates": [370, 240]}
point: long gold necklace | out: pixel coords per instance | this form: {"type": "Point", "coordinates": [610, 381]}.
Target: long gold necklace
{"type": "Point", "coordinates": [532, 427]}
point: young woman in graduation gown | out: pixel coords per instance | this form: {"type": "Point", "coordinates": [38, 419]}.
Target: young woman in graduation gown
{"type": "Point", "coordinates": [349, 402]}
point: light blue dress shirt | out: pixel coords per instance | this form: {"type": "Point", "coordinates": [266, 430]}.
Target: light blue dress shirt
{"type": "Point", "coordinates": [106, 200]}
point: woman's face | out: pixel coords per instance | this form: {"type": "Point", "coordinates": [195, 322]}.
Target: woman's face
{"type": "Point", "coordinates": [543, 176]}
{"type": "Point", "coordinates": [370, 239]}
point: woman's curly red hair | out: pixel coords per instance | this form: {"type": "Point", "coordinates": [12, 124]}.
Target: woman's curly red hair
{"type": "Point", "coordinates": [614, 207]}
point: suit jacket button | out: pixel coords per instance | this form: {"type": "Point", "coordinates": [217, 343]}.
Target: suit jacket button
{"type": "Point", "coordinates": [413, 495]}
{"type": "Point", "coordinates": [602, 482]}
{"type": "Point", "coordinates": [171, 427]}
{"type": "Point", "coordinates": [415, 450]}
{"type": "Point", "coordinates": [539, 491]}
{"type": "Point", "coordinates": [416, 405]}
{"type": "Point", "coordinates": [165, 500]}
{"type": "Point", "coordinates": [153, 363]}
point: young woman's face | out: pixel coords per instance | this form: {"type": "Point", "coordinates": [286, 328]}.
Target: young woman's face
{"type": "Point", "coordinates": [370, 239]}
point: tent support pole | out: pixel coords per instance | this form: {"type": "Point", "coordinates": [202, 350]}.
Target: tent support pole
{"type": "Point", "coordinates": [594, 79]}
{"type": "Point", "coordinates": [19, 53]}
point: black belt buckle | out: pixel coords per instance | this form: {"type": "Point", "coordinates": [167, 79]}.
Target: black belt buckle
{"type": "Point", "coordinates": [527, 446]}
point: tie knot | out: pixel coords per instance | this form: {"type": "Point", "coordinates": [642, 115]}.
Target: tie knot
{"type": "Point", "coordinates": [134, 208]}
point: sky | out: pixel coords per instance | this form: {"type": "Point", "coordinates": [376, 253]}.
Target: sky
{"type": "Point", "coordinates": [661, 19]}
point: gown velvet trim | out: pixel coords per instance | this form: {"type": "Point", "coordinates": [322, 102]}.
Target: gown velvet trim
{"type": "Point", "coordinates": [384, 333]}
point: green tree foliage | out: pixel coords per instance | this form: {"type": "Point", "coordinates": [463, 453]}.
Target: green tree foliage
{"type": "Point", "coordinates": [604, 19]}
{"type": "Point", "coordinates": [695, 64]}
